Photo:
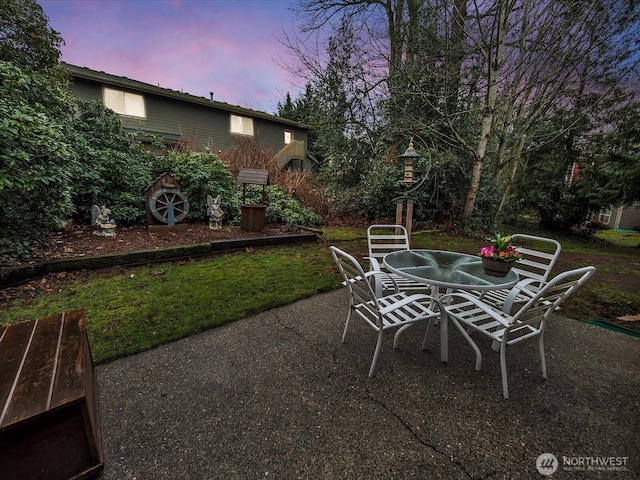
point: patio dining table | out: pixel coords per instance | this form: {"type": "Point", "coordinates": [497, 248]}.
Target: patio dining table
{"type": "Point", "coordinates": [445, 270]}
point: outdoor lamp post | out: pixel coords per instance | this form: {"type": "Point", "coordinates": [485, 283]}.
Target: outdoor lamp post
{"type": "Point", "coordinates": [409, 157]}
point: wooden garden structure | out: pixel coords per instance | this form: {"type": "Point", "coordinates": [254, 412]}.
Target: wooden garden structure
{"type": "Point", "coordinates": [252, 216]}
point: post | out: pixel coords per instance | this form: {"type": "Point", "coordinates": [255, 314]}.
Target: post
{"type": "Point", "coordinates": [409, 217]}
{"type": "Point", "coordinates": [399, 206]}
{"type": "Point", "coordinates": [409, 157]}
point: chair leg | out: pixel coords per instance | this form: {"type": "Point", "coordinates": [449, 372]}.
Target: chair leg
{"type": "Point", "coordinates": [396, 337]}
{"type": "Point", "coordinates": [543, 364]}
{"type": "Point", "coordinates": [378, 285]}
{"type": "Point", "coordinates": [470, 342]}
{"type": "Point", "coordinates": [346, 324]}
{"type": "Point", "coordinates": [375, 355]}
{"type": "Point", "coordinates": [503, 369]}
{"type": "Point", "coordinates": [427, 334]}
{"type": "Point", "coordinates": [444, 336]}
{"type": "Point", "coordinates": [435, 293]}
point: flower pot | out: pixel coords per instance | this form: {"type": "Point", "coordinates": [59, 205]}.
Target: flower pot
{"type": "Point", "coordinates": [496, 268]}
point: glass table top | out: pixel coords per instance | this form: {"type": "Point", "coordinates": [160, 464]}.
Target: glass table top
{"type": "Point", "coordinates": [446, 269]}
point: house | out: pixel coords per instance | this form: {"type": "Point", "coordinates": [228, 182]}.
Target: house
{"type": "Point", "coordinates": [621, 218]}
{"type": "Point", "coordinates": [617, 218]}
{"type": "Point", "coordinates": [203, 124]}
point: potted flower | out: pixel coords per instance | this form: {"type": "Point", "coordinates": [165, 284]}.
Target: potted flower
{"type": "Point", "coordinates": [499, 255]}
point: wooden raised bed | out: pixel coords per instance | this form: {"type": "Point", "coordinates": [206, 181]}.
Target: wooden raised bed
{"type": "Point", "coordinates": [49, 418]}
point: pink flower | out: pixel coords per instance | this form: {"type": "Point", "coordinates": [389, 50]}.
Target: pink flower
{"type": "Point", "coordinates": [500, 249]}
{"type": "Point", "coordinates": [488, 252]}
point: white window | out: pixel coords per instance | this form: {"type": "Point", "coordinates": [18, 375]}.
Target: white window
{"type": "Point", "coordinates": [241, 125]}
{"type": "Point", "coordinates": [124, 103]}
{"type": "Point", "coordinates": [605, 216]}
{"type": "Point", "coordinates": [288, 137]}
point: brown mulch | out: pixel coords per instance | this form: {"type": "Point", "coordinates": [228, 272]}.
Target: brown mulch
{"type": "Point", "coordinates": [80, 241]}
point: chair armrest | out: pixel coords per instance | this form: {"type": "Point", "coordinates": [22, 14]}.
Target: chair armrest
{"type": "Point", "coordinates": [517, 289]}
{"type": "Point", "coordinates": [410, 299]}
{"type": "Point", "coordinates": [374, 263]}
{"type": "Point", "coordinates": [485, 307]}
{"type": "Point", "coordinates": [377, 273]}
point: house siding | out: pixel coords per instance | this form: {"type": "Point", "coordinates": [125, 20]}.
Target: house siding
{"type": "Point", "coordinates": [626, 218]}
{"type": "Point", "coordinates": [272, 136]}
{"type": "Point", "coordinates": [180, 117]}
{"type": "Point", "coordinates": [623, 218]}
{"type": "Point", "coordinates": [199, 127]}
{"type": "Point", "coordinates": [87, 91]}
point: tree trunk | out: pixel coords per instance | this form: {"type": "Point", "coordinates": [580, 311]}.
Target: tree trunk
{"type": "Point", "coordinates": [472, 192]}
{"type": "Point", "coordinates": [494, 69]}
{"type": "Point", "coordinates": [457, 55]}
{"type": "Point", "coordinates": [512, 176]}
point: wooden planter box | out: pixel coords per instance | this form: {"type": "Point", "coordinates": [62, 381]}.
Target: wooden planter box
{"type": "Point", "coordinates": [252, 217]}
{"type": "Point", "coordinates": [49, 418]}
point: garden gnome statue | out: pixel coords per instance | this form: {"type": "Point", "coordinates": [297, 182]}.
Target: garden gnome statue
{"type": "Point", "coordinates": [214, 212]}
{"type": "Point", "coordinates": [100, 219]}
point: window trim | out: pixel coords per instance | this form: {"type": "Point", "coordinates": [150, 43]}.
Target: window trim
{"type": "Point", "coordinates": [125, 94]}
{"type": "Point", "coordinates": [245, 122]}
{"type": "Point", "coordinates": [605, 215]}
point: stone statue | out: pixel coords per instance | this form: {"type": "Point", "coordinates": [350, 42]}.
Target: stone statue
{"type": "Point", "coordinates": [101, 220]}
{"type": "Point", "coordinates": [214, 212]}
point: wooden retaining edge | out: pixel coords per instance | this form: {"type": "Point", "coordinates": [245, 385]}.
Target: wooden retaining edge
{"type": "Point", "coordinates": [16, 276]}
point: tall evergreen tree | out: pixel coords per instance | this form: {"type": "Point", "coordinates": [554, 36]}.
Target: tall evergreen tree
{"type": "Point", "coordinates": [479, 79]}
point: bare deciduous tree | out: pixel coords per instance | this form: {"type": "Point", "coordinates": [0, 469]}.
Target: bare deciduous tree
{"type": "Point", "coordinates": [481, 76]}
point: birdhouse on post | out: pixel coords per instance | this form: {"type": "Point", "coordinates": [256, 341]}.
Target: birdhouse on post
{"type": "Point", "coordinates": [409, 157]}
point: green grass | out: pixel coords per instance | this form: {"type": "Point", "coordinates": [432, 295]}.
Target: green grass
{"type": "Point", "coordinates": [622, 239]}
{"type": "Point", "coordinates": [135, 309]}
{"type": "Point", "coordinates": [130, 310]}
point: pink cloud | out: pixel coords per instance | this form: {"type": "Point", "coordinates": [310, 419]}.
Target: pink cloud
{"type": "Point", "coordinates": [227, 47]}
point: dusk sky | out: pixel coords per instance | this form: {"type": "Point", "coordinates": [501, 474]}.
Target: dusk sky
{"type": "Point", "coordinates": [228, 47]}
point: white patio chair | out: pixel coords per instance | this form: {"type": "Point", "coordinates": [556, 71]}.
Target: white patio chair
{"type": "Point", "coordinates": [470, 314]}
{"type": "Point", "coordinates": [397, 310]}
{"type": "Point", "coordinates": [539, 257]}
{"type": "Point", "coordinates": [384, 239]}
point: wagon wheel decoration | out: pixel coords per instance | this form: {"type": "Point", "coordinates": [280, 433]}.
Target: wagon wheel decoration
{"type": "Point", "coordinates": [169, 205]}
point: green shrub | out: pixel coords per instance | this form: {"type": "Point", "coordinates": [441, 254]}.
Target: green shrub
{"type": "Point", "coordinates": [282, 208]}
{"type": "Point", "coordinates": [439, 186]}
{"type": "Point", "coordinates": [113, 168]}
{"type": "Point", "coordinates": [35, 156]}
{"type": "Point", "coordinates": [380, 186]}
{"type": "Point", "coordinates": [199, 175]}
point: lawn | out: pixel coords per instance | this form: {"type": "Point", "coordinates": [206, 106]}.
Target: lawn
{"type": "Point", "coordinates": [130, 310]}
{"type": "Point", "coordinates": [621, 238]}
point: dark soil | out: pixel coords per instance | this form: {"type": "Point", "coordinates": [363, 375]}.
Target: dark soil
{"type": "Point", "coordinates": [80, 241]}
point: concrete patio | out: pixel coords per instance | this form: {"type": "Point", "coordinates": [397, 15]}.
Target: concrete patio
{"type": "Point", "coordinates": [278, 396]}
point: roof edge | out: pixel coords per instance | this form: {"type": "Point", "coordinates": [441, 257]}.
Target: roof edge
{"type": "Point", "coordinates": [107, 78]}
